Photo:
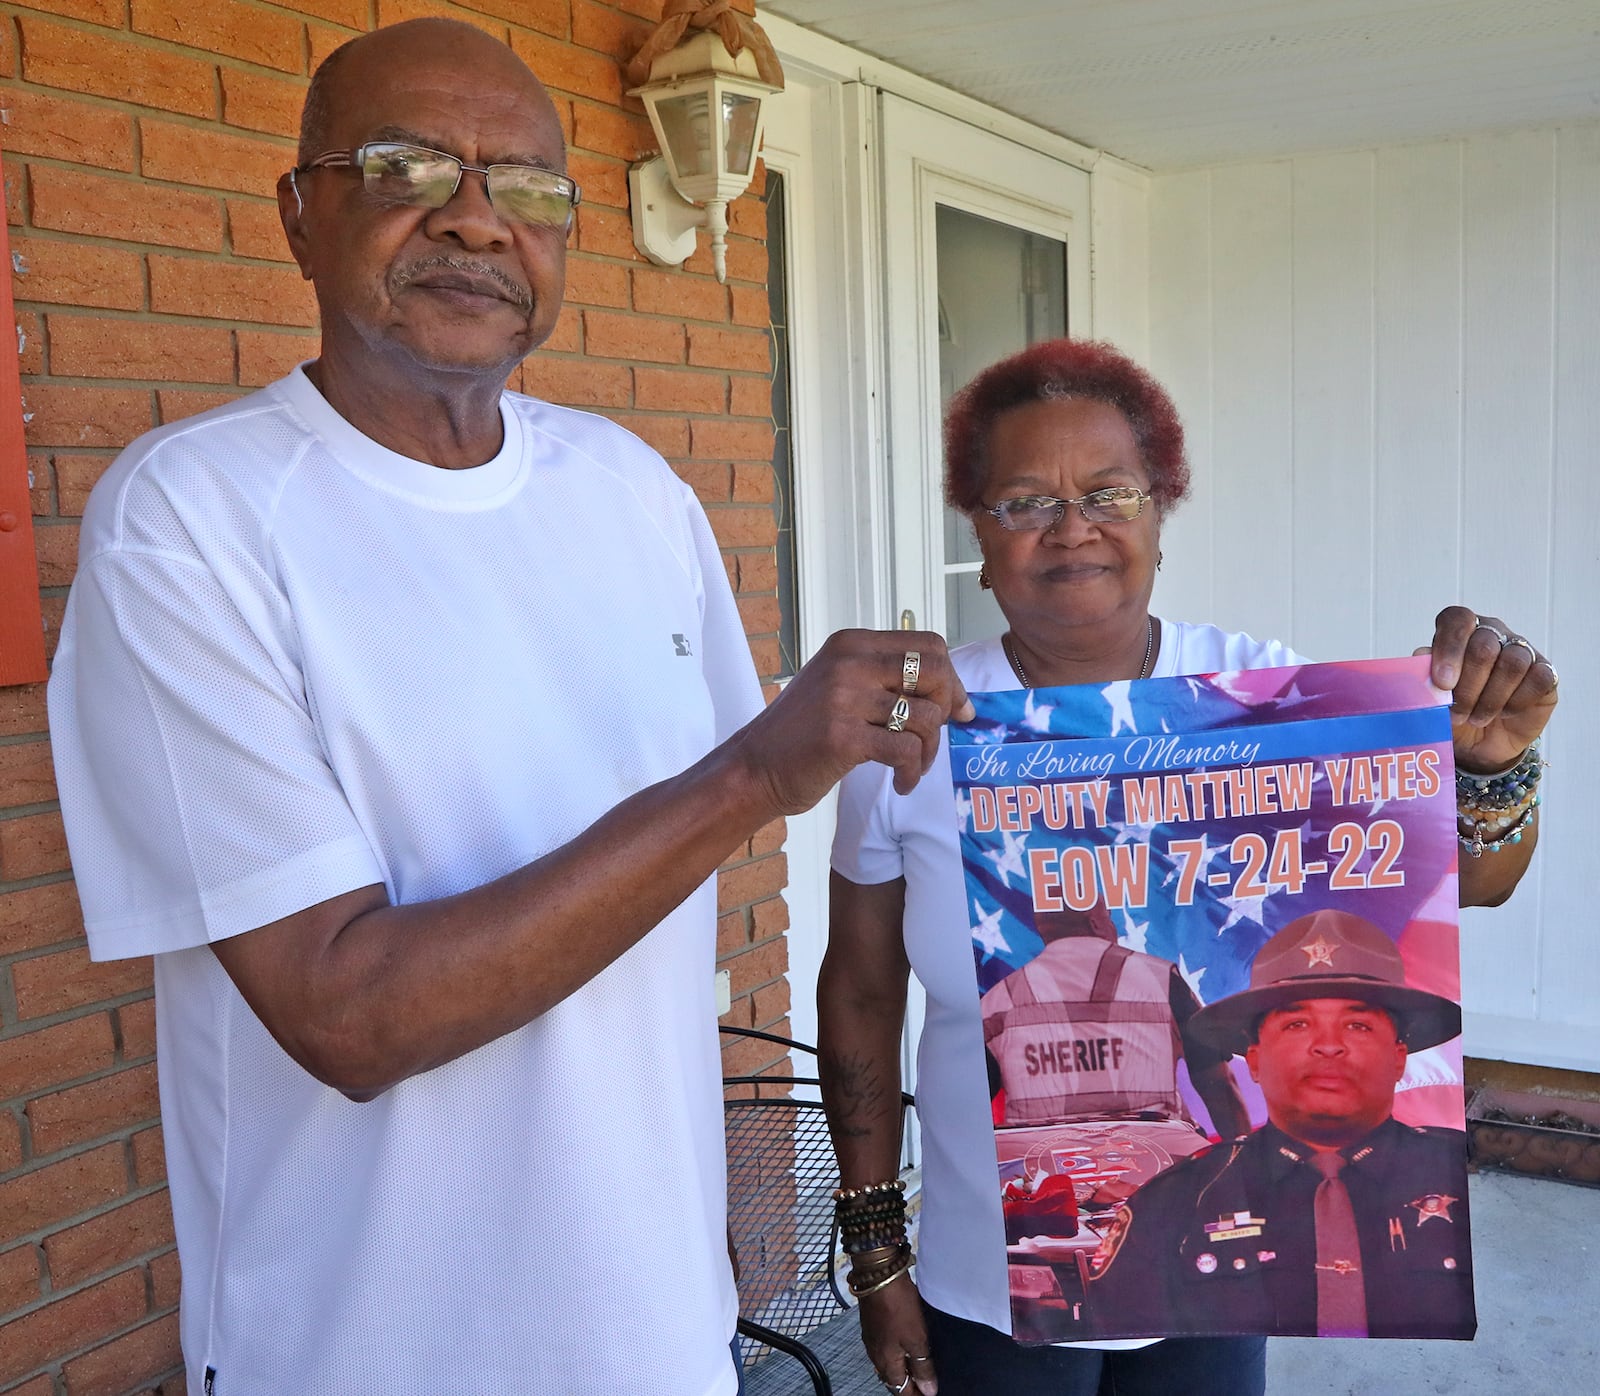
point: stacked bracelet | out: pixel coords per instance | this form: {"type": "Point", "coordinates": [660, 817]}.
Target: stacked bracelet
{"type": "Point", "coordinates": [864, 1280]}
{"type": "Point", "coordinates": [1494, 808]}
{"type": "Point", "coordinates": [872, 1229]}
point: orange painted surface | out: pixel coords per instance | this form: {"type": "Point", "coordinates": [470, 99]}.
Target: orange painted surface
{"type": "Point", "coordinates": [21, 629]}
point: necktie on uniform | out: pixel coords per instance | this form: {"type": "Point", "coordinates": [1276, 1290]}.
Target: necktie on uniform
{"type": "Point", "coordinates": [1341, 1288]}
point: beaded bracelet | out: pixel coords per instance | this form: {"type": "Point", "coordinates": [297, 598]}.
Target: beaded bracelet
{"type": "Point", "coordinates": [870, 1207]}
{"type": "Point", "coordinates": [868, 1190]}
{"type": "Point", "coordinates": [1477, 845]}
{"type": "Point", "coordinates": [1498, 803]}
{"type": "Point", "coordinates": [1501, 789]}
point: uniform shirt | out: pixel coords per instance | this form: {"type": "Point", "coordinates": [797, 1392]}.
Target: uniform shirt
{"type": "Point", "coordinates": [1225, 1242]}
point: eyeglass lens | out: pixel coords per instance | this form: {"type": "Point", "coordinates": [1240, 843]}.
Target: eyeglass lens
{"type": "Point", "coordinates": [1119, 504]}
{"type": "Point", "coordinates": [410, 174]}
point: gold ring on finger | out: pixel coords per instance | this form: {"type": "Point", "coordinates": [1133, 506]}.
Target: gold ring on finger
{"type": "Point", "coordinates": [899, 715]}
{"type": "Point", "coordinates": [911, 671]}
{"type": "Point", "coordinates": [1518, 640]}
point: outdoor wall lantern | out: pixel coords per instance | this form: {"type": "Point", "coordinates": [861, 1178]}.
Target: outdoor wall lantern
{"type": "Point", "coordinates": [704, 76]}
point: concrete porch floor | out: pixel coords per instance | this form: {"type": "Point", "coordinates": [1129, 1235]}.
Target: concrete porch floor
{"type": "Point", "coordinates": [1538, 1291]}
{"type": "Point", "coordinates": [1534, 1242]}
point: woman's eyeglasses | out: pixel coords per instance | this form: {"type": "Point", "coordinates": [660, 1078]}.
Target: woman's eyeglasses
{"type": "Point", "coordinates": [413, 174]}
{"type": "Point", "coordinates": [1030, 512]}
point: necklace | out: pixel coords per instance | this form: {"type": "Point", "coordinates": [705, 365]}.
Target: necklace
{"type": "Point", "coordinates": [1022, 674]}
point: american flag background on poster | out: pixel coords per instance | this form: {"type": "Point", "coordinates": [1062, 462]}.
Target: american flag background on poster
{"type": "Point", "coordinates": [1129, 848]}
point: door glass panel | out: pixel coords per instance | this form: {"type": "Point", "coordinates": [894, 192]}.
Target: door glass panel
{"type": "Point", "coordinates": [1001, 289]}
{"type": "Point", "coordinates": [788, 554]}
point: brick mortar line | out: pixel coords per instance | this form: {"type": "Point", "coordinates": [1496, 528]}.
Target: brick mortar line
{"type": "Point", "coordinates": [23, 738]}
{"type": "Point", "coordinates": [25, 884]}
{"type": "Point", "coordinates": [71, 1082]}
{"type": "Point", "coordinates": [53, 1295]}
{"type": "Point", "coordinates": [23, 1026]}
{"type": "Point", "coordinates": [52, 380]}
{"type": "Point", "coordinates": [61, 162]}
{"type": "Point", "coordinates": [73, 1151]}
{"type": "Point", "coordinates": [227, 256]}
{"type": "Point", "coordinates": [71, 1015]}
{"type": "Point", "coordinates": [8, 812]}
{"type": "Point", "coordinates": [149, 317]}
{"type": "Point", "coordinates": [58, 1362]}
{"type": "Point", "coordinates": [37, 1238]}
{"type": "Point", "coordinates": [34, 1162]}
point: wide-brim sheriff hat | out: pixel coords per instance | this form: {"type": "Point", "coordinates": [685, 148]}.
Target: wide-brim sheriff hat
{"type": "Point", "coordinates": [1327, 955]}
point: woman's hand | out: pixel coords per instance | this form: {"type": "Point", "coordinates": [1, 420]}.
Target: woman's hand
{"type": "Point", "coordinates": [897, 1339]}
{"type": "Point", "coordinates": [1504, 689]}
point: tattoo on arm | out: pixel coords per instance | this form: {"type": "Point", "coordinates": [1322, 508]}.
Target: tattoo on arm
{"type": "Point", "coordinates": [855, 1095]}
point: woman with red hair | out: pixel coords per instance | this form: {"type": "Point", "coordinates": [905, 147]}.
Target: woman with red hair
{"type": "Point", "coordinates": [1067, 459]}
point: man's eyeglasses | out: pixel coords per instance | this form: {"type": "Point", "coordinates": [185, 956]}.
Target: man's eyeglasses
{"type": "Point", "coordinates": [1030, 512]}
{"type": "Point", "coordinates": [413, 174]}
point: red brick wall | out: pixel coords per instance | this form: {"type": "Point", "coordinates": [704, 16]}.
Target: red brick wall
{"type": "Point", "coordinates": [142, 139]}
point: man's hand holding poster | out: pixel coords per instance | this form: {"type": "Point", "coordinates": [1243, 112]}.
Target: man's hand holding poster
{"type": "Point", "coordinates": [1214, 922]}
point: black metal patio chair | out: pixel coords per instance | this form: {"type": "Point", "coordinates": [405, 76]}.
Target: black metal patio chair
{"type": "Point", "coordinates": [781, 1178]}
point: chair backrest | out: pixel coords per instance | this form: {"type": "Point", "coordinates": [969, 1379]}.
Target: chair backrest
{"type": "Point", "coordinates": [781, 1177]}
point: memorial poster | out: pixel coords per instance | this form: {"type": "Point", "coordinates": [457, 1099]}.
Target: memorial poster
{"type": "Point", "coordinates": [1214, 921]}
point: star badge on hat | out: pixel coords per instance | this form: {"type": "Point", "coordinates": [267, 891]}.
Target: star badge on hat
{"type": "Point", "coordinates": [1435, 1204]}
{"type": "Point", "coordinates": [1319, 952]}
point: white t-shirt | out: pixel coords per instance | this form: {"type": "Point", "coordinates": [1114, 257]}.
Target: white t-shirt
{"type": "Point", "coordinates": [294, 664]}
{"type": "Point", "coordinates": [961, 1255]}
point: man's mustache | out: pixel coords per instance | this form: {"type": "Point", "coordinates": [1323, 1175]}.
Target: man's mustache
{"type": "Point", "coordinates": [517, 294]}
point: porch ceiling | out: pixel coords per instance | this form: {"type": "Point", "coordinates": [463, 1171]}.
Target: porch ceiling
{"type": "Point", "coordinates": [1171, 84]}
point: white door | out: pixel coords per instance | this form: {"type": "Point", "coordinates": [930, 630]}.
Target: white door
{"type": "Point", "coordinates": [986, 250]}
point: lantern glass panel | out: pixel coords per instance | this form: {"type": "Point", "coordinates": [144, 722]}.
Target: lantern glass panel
{"type": "Point", "coordinates": [739, 114]}
{"type": "Point", "coordinates": [686, 120]}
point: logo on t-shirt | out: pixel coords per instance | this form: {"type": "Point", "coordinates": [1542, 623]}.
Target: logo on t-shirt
{"type": "Point", "coordinates": [680, 646]}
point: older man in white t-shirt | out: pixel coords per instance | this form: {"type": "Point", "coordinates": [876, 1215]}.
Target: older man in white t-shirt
{"type": "Point", "coordinates": [405, 721]}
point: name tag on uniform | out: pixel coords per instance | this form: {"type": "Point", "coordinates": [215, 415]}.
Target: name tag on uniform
{"type": "Point", "coordinates": [1236, 1226]}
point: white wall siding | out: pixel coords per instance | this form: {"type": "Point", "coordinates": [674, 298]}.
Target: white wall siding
{"type": "Point", "coordinates": [1389, 365]}
{"type": "Point", "coordinates": [1119, 265]}
{"type": "Point", "coordinates": [1333, 270]}
{"type": "Point", "coordinates": [1181, 353]}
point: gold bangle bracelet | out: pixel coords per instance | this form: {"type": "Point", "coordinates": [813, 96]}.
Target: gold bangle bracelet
{"type": "Point", "coordinates": [881, 1284]}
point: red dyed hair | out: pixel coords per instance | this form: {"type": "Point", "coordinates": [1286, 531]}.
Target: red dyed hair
{"type": "Point", "coordinates": [1050, 371]}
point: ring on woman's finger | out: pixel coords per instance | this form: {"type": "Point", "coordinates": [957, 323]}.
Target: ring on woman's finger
{"type": "Point", "coordinates": [1518, 640]}
{"type": "Point", "coordinates": [1555, 678]}
{"type": "Point", "coordinates": [924, 1358]}
{"type": "Point", "coordinates": [911, 670]}
{"type": "Point", "coordinates": [899, 715]}
{"type": "Point", "coordinates": [1494, 630]}
{"type": "Point", "coordinates": [889, 1385]}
